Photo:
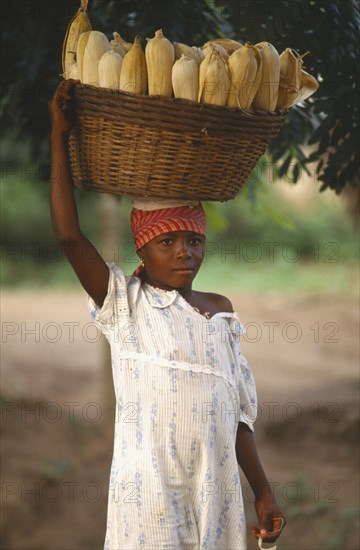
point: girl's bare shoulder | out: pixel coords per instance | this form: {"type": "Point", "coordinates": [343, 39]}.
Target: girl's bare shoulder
{"type": "Point", "coordinates": [217, 301]}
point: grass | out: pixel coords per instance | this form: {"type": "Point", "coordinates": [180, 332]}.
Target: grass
{"type": "Point", "coordinates": [302, 506]}
{"type": "Point", "coordinates": [281, 276]}
{"type": "Point", "coordinates": [336, 533]}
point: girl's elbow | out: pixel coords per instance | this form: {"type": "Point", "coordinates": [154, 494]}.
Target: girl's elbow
{"type": "Point", "coordinates": [66, 235]}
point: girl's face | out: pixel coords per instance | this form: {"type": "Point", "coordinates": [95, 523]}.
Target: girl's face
{"type": "Point", "coordinates": [173, 259]}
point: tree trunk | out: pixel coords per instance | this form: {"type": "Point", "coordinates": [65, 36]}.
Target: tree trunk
{"type": "Point", "coordinates": [352, 197]}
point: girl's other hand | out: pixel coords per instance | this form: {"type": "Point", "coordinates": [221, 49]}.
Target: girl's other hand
{"type": "Point", "coordinates": [271, 520]}
{"type": "Point", "coordinates": [60, 107]}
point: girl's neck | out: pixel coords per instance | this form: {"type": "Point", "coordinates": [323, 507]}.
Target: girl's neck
{"type": "Point", "coordinates": [186, 292]}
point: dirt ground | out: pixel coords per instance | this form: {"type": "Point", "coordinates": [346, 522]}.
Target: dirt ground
{"type": "Point", "coordinates": [57, 419]}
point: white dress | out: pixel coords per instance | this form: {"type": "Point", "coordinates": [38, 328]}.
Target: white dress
{"type": "Point", "coordinates": [181, 385]}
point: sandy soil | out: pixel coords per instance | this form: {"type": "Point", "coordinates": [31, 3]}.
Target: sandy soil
{"type": "Point", "coordinates": [57, 418]}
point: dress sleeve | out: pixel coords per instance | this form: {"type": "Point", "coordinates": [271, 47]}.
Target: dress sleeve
{"type": "Point", "coordinates": [247, 393]}
{"type": "Point", "coordinates": [115, 305]}
{"type": "Point", "coordinates": [246, 383]}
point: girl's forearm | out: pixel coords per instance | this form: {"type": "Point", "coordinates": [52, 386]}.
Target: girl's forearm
{"type": "Point", "coordinates": [250, 464]}
{"type": "Point", "coordinates": [63, 208]}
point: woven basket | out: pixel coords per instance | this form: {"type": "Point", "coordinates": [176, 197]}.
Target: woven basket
{"type": "Point", "coordinates": [153, 146]}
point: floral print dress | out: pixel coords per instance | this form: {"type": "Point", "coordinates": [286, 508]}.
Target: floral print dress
{"type": "Point", "coordinates": [182, 386]}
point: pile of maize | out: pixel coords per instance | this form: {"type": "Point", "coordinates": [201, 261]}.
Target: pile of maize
{"type": "Point", "coordinates": [222, 72]}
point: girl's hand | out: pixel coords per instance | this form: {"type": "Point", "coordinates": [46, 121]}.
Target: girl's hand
{"type": "Point", "coordinates": [60, 107]}
{"type": "Point", "coordinates": [270, 518]}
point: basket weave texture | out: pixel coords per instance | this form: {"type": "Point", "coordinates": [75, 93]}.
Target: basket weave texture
{"type": "Point", "coordinates": [152, 146]}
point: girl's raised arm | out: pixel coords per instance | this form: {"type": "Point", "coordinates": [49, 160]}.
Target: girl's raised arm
{"type": "Point", "coordinates": [87, 263]}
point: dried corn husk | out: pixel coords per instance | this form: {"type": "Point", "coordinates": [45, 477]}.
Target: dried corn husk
{"type": "Point", "coordinates": [117, 48]}
{"type": "Point", "coordinates": [133, 76]}
{"type": "Point", "coordinates": [207, 49]}
{"type": "Point", "coordinates": [202, 73]}
{"type": "Point", "coordinates": [79, 23]}
{"type": "Point", "coordinates": [308, 86]}
{"type": "Point", "coordinates": [203, 70]}
{"type": "Point", "coordinates": [73, 72]}
{"type": "Point", "coordinates": [295, 83]}
{"type": "Point", "coordinates": [97, 44]}
{"type": "Point", "coordinates": [184, 49]}
{"type": "Point", "coordinates": [160, 57]}
{"type": "Point", "coordinates": [230, 45]}
{"type": "Point", "coordinates": [185, 78]}
{"type": "Point", "coordinates": [214, 79]}
{"type": "Point", "coordinates": [290, 72]}
{"type": "Point", "coordinates": [199, 51]}
{"type": "Point", "coordinates": [119, 45]}
{"type": "Point", "coordinates": [245, 74]}
{"type": "Point", "coordinates": [267, 94]}
{"type": "Point", "coordinates": [109, 70]}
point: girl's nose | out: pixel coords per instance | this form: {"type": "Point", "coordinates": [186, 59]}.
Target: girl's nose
{"type": "Point", "coordinates": [183, 250]}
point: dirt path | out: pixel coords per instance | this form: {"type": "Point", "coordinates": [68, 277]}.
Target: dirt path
{"type": "Point", "coordinates": [57, 437]}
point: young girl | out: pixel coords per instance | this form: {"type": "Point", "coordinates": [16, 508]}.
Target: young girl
{"type": "Point", "coordinates": [185, 395]}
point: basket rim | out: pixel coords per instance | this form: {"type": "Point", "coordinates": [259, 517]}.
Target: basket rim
{"type": "Point", "coordinates": [175, 114]}
{"type": "Point", "coordinates": [176, 101]}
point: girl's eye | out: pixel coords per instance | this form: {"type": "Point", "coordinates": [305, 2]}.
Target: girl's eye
{"type": "Point", "coordinates": [195, 241]}
{"type": "Point", "coordinates": [167, 241]}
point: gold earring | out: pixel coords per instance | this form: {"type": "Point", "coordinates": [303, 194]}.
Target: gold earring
{"type": "Point", "coordinates": [142, 262]}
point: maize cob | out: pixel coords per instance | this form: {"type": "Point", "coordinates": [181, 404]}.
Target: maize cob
{"type": "Point", "coordinates": [160, 57]}
{"type": "Point", "coordinates": [230, 45]}
{"type": "Point", "coordinates": [109, 70]}
{"type": "Point", "coordinates": [203, 70]}
{"type": "Point", "coordinates": [79, 23]}
{"type": "Point", "coordinates": [308, 86]}
{"type": "Point", "coordinates": [207, 49]}
{"type": "Point", "coordinates": [183, 49]}
{"type": "Point", "coordinates": [133, 76]}
{"type": "Point", "coordinates": [185, 78]}
{"type": "Point", "coordinates": [198, 51]}
{"type": "Point", "coordinates": [289, 85]}
{"type": "Point", "coordinates": [245, 72]}
{"type": "Point", "coordinates": [117, 48]}
{"type": "Point", "coordinates": [267, 94]}
{"type": "Point", "coordinates": [96, 45]}
{"type": "Point", "coordinates": [80, 49]}
{"type": "Point", "coordinates": [118, 41]}
{"type": "Point", "coordinates": [214, 79]}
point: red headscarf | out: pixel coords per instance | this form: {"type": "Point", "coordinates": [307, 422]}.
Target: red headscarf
{"type": "Point", "coordinates": [148, 224]}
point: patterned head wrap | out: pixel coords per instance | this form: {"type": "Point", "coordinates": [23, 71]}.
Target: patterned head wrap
{"type": "Point", "coordinates": [148, 224]}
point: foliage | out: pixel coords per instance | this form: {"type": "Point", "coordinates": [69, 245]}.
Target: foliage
{"type": "Point", "coordinates": [24, 187]}
{"type": "Point", "coordinates": [33, 32]}
{"type": "Point", "coordinates": [296, 255]}
{"type": "Point", "coordinates": [330, 30]}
